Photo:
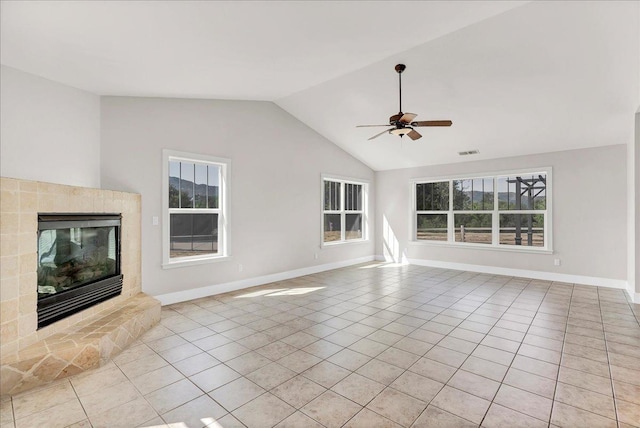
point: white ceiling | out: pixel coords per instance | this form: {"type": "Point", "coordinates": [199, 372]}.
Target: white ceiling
{"type": "Point", "coordinates": [515, 77]}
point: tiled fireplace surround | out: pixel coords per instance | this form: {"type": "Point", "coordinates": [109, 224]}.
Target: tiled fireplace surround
{"type": "Point", "coordinates": [30, 356]}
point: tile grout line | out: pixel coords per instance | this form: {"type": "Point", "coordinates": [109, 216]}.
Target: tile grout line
{"type": "Point", "coordinates": [606, 345]}
{"type": "Point", "coordinates": [80, 401]}
{"type": "Point", "coordinates": [564, 337]}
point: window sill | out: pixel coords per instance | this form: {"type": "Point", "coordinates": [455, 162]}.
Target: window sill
{"type": "Point", "coordinates": [484, 247]}
{"type": "Point", "coordinates": [340, 243]}
{"type": "Point", "coordinates": [194, 262]}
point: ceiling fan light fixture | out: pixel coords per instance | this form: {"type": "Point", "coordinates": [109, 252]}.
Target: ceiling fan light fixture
{"type": "Point", "coordinates": [400, 131]}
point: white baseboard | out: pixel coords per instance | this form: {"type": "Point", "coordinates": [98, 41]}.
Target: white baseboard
{"type": "Point", "coordinates": [210, 290]}
{"type": "Point", "coordinates": [635, 297]}
{"type": "Point", "coordinates": [534, 274]}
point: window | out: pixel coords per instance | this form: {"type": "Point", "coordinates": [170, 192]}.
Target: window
{"type": "Point", "coordinates": [195, 201]}
{"type": "Point", "coordinates": [344, 211]}
{"type": "Point", "coordinates": [500, 211]}
{"type": "Point", "coordinates": [473, 203]}
{"type": "Point", "coordinates": [432, 204]}
{"type": "Point", "coordinates": [523, 209]}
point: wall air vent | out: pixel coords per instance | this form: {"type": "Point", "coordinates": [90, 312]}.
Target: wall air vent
{"type": "Point", "coordinates": [469, 152]}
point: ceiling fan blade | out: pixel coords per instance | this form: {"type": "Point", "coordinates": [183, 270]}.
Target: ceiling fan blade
{"type": "Point", "coordinates": [432, 123]}
{"type": "Point", "coordinates": [369, 126]}
{"type": "Point", "coordinates": [414, 135]}
{"type": "Point", "coordinates": [377, 135]}
{"type": "Point", "coordinates": [407, 118]}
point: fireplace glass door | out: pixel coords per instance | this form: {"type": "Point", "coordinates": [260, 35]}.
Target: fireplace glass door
{"type": "Point", "coordinates": [78, 263]}
{"type": "Point", "coordinates": [75, 256]}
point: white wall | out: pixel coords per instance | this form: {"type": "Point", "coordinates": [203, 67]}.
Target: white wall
{"type": "Point", "coordinates": [48, 131]}
{"type": "Point", "coordinates": [277, 164]}
{"type": "Point", "coordinates": [589, 213]}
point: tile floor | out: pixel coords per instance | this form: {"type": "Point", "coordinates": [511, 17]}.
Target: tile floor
{"type": "Point", "coordinates": [367, 346]}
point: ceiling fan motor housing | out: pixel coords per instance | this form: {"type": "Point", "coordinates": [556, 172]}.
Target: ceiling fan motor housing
{"type": "Point", "coordinates": [395, 118]}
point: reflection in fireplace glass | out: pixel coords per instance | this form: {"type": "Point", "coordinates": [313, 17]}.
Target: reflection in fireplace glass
{"type": "Point", "coordinates": [68, 258]}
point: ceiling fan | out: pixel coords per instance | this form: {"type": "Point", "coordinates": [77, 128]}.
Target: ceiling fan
{"type": "Point", "coordinates": [402, 123]}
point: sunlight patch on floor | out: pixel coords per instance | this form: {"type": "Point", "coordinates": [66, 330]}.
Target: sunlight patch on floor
{"type": "Point", "coordinates": [296, 291]}
{"type": "Point", "coordinates": [280, 292]}
{"type": "Point", "coordinates": [382, 265]}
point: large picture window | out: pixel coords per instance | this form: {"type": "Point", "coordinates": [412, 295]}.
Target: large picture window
{"type": "Point", "coordinates": [195, 208]}
{"type": "Point", "coordinates": [344, 211]}
{"type": "Point", "coordinates": [503, 210]}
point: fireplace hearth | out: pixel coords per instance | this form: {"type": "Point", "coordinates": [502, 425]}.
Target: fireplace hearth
{"type": "Point", "coordinates": [78, 263]}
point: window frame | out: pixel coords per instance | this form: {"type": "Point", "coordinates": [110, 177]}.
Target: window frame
{"type": "Point", "coordinates": [223, 207]}
{"type": "Point", "coordinates": [342, 211]}
{"type": "Point", "coordinates": [491, 212]}
{"type": "Point", "coordinates": [495, 212]}
{"type": "Point", "coordinates": [431, 212]}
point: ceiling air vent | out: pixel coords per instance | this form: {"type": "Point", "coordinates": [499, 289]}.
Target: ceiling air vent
{"type": "Point", "coordinates": [469, 152]}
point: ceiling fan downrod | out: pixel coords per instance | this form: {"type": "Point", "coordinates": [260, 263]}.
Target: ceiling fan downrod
{"type": "Point", "coordinates": [399, 69]}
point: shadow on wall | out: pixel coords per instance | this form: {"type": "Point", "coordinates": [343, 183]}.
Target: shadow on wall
{"type": "Point", "coordinates": [392, 252]}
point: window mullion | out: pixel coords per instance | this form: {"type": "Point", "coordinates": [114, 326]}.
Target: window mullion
{"type": "Point", "coordinates": [450, 221]}
{"type": "Point", "coordinates": [546, 229]}
{"type": "Point", "coordinates": [343, 225]}
{"type": "Point", "coordinates": [193, 187]}
{"type": "Point", "coordinates": [180, 185]}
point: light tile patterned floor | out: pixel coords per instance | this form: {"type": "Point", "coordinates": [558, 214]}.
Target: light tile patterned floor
{"type": "Point", "coordinates": [368, 346]}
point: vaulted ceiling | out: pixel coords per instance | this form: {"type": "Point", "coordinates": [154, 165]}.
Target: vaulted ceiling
{"type": "Point", "coordinates": [515, 77]}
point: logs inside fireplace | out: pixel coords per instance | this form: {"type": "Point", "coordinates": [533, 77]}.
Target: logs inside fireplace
{"type": "Point", "coordinates": [78, 263]}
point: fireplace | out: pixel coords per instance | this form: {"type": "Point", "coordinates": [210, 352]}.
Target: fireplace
{"type": "Point", "coordinates": [78, 263]}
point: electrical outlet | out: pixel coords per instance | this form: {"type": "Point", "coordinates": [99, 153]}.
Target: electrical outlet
{"type": "Point", "coordinates": [556, 262]}
{"type": "Point", "coordinates": [154, 220]}
{"type": "Point", "coordinates": [240, 267]}
{"type": "Point", "coordinates": [315, 256]}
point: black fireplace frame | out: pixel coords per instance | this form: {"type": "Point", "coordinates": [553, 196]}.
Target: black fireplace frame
{"type": "Point", "coordinates": [66, 303]}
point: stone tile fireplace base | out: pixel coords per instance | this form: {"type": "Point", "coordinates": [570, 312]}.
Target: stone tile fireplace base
{"type": "Point", "coordinates": [89, 344]}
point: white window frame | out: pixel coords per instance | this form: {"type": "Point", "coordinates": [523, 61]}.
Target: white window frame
{"type": "Point", "coordinates": [222, 210]}
{"type": "Point", "coordinates": [342, 211]}
{"type": "Point", "coordinates": [495, 245]}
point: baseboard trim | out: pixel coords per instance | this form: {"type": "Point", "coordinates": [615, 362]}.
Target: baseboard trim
{"type": "Point", "coordinates": [210, 290]}
{"type": "Point", "coordinates": [634, 297]}
{"type": "Point", "coordinates": [534, 274]}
